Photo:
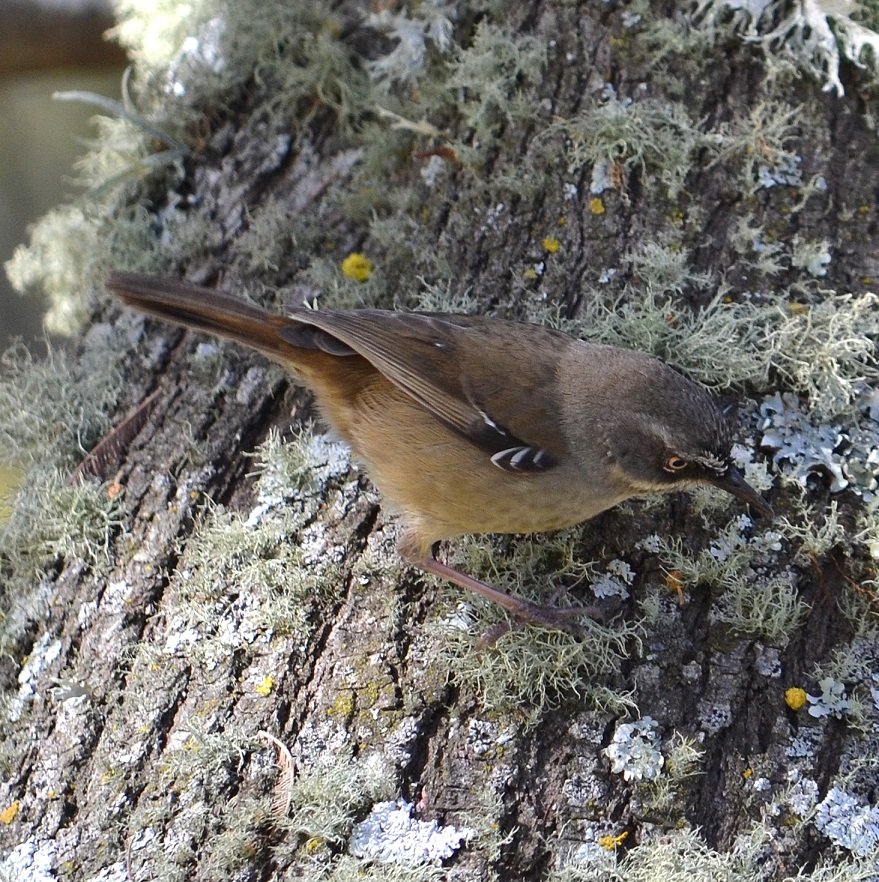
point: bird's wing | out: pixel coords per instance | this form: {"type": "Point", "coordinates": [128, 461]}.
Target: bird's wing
{"type": "Point", "coordinates": [490, 380]}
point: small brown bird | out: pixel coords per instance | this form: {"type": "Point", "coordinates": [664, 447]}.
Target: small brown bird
{"type": "Point", "coordinates": [470, 424]}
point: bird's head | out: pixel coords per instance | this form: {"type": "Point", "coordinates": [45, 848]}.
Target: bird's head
{"type": "Point", "coordinates": [676, 437]}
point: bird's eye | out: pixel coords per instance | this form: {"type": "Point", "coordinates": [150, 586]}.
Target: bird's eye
{"type": "Point", "coordinates": [675, 464]}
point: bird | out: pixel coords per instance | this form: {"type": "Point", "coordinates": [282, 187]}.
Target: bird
{"type": "Point", "coordinates": [475, 424]}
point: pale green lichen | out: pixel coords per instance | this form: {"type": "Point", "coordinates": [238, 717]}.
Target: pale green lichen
{"type": "Point", "coordinates": [823, 353]}
{"type": "Point", "coordinates": [274, 240]}
{"type": "Point", "coordinates": [755, 600]}
{"type": "Point", "coordinates": [73, 247]}
{"type": "Point", "coordinates": [761, 146]}
{"type": "Point", "coordinates": [683, 854]}
{"type": "Point", "coordinates": [813, 534]}
{"type": "Point", "coordinates": [251, 571]}
{"type": "Point", "coordinates": [346, 868]}
{"type": "Point", "coordinates": [533, 668]}
{"type": "Point", "coordinates": [54, 520]}
{"type": "Point", "coordinates": [127, 148]}
{"type": "Point", "coordinates": [825, 350]}
{"type": "Point", "coordinates": [683, 761]}
{"type": "Point", "coordinates": [288, 54]}
{"type": "Point", "coordinates": [657, 139]}
{"type": "Point", "coordinates": [328, 797]}
{"type": "Point", "coordinates": [152, 31]}
{"type": "Point", "coordinates": [284, 467]}
{"type": "Point", "coordinates": [52, 410]}
{"type": "Point", "coordinates": [488, 79]}
{"type": "Point", "coordinates": [70, 252]}
{"type": "Point", "coordinates": [868, 528]}
{"type": "Point", "coordinates": [769, 608]}
{"type": "Point", "coordinates": [814, 35]}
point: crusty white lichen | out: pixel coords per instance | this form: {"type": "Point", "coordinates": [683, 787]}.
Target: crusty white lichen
{"type": "Point", "coordinates": [844, 450]}
{"type": "Point", "coordinates": [391, 835]}
{"type": "Point", "coordinates": [847, 822]}
{"type": "Point", "coordinates": [634, 750]}
{"type": "Point", "coordinates": [833, 700]}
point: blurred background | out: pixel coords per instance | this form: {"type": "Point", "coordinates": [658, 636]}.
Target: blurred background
{"type": "Point", "coordinates": [45, 46]}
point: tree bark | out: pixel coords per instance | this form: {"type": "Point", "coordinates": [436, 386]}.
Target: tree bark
{"type": "Point", "coordinates": [243, 595]}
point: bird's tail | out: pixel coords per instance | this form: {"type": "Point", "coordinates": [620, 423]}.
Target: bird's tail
{"type": "Point", "coordinates": [205, 309]}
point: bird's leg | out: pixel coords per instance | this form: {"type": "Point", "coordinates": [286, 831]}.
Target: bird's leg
{"type": "Point", "coordinates": [524, 610]}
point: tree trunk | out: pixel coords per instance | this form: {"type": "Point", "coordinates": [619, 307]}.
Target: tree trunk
{"type": "Point", "coordinates": [222, 670]}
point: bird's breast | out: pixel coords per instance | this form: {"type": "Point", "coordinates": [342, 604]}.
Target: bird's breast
{"type": "Point", "coordinates": [443, 485]}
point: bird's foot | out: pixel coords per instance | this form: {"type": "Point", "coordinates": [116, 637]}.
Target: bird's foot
{"type": "Point", "coordinates": [558, 618]}
{"type": "Point", "coordinates": [524, 612]}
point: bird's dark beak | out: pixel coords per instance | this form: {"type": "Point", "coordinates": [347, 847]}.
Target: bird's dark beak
{"type": "Point", "coordinates": [733, 482]}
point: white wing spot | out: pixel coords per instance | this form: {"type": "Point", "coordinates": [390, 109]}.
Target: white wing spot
{"type": "Point", "coordinates": [522, 458]}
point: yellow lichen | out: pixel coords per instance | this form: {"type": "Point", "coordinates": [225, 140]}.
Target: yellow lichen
{"type": "Point", "coordinates": [611, 843]}
{"type": "Point", "coordinates": [795, 698]}
{"type": "Point", "coordinates": [343, 706]}
{"type": "Point", "coordinates": [8, 815]}
{"type": "Point", "coordinates": [265, 686]}
{"type": "Point", "coordinates": [357, 266]}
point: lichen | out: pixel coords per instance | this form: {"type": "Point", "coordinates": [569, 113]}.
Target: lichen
{"type": "Point", "coordinates": [651, 137]}
{"type": "Point", "coordinates": [845, 451]}
{"type": "Point", "coordinates": [532, 668]}
{"type": "Point", "coordinates": [390, 835]}
{"type": "Point", "coordinates": [415, 31]}
{"type": "Point", "coordinates": [488, 79]}
{"type": "Point", "coordinates": [634, 750]}
{"type": "Point", "coordinates": [814, 34]}
{"type": "Point", "coordinates": [832, 701]}
{"type": "Point", "coordinates": [848, 823]}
